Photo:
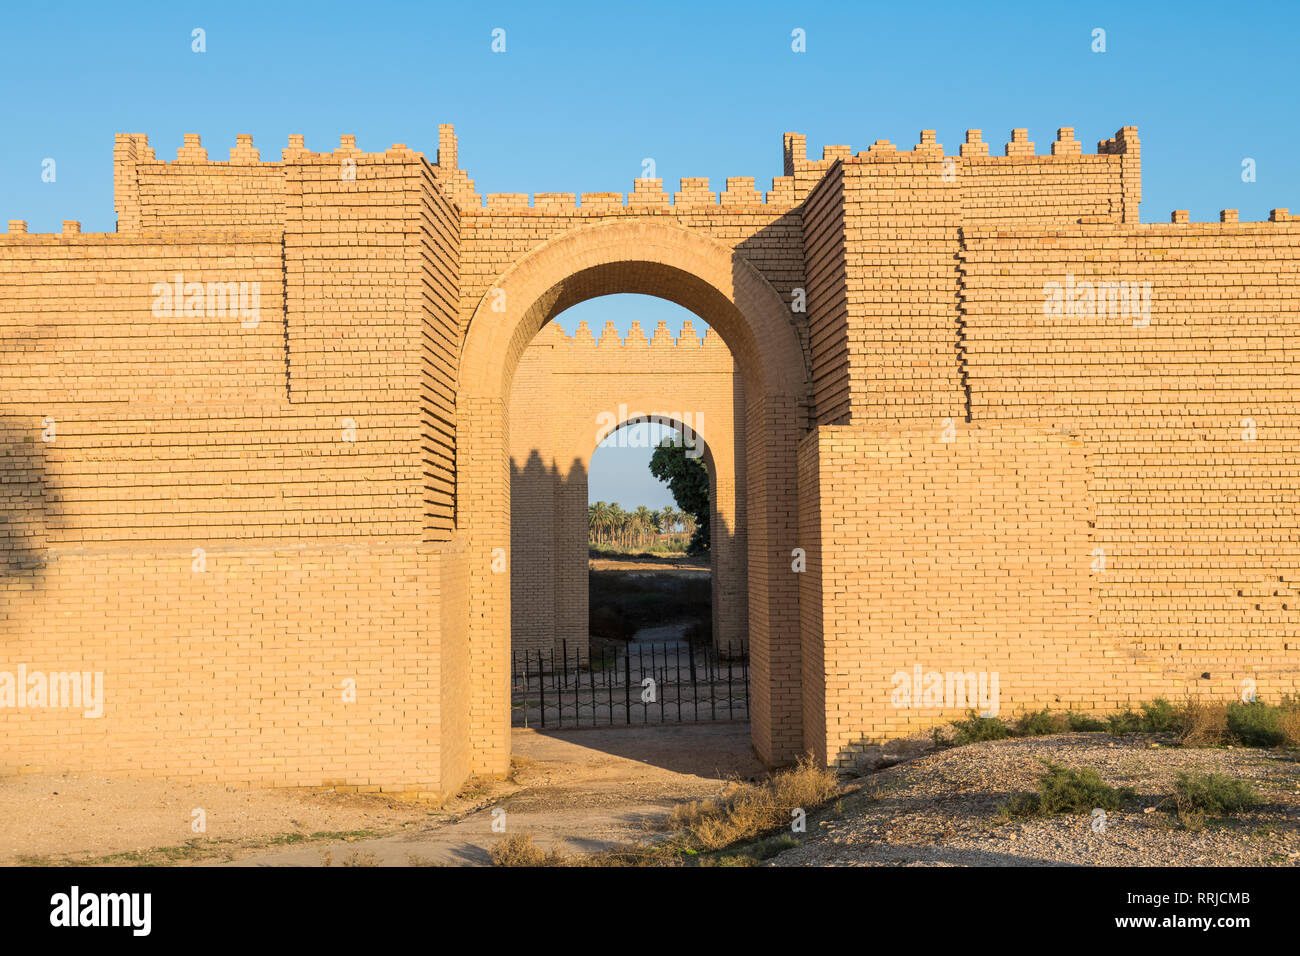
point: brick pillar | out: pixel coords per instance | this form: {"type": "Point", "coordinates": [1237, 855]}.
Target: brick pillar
{"type": "Point", "coordinates": [483, 476]}
{"type": "Point", "coordinates": [772, 425]}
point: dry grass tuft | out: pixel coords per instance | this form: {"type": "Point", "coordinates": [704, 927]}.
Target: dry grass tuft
{"type": "Point", "coordinates": [743, 815]}
{"type": "Point", "coordinates": [1291, 726]}
{"type": "Point", "coordinates": [1204, 724]}
{"type": "Point", "coordinates": [748, 810]}
{"type": "Point", "coordinates": [518, 849]}
{"type": "Point", "coordinates": [1289, 723]}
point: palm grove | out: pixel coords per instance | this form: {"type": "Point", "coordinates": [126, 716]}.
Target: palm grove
{"type": "Point", "coordinates": [609, 525]}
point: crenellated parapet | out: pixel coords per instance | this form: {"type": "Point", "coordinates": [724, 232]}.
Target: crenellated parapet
{"type": "Point", "coordinates": [585, 353]}
{"type": "Point", "coordinates": [243, 187]}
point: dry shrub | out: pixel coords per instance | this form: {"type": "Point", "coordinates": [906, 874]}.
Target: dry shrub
{"type": "Point", "coordinates": [1291, 721]}
{"type": "Point", "coordinates": [1205, 723]}
{"type": "Point", "coordinates": [744, 813]}
{"type": "Point", "coordinates": [748, 810]}
{"type": "Point", "coordinates": [518, 849]}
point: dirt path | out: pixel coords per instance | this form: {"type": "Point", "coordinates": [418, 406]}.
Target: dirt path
{"type": "Point", "coordinates": [659, 564]}
{"type": "Point", "coordinates": [589, 788]}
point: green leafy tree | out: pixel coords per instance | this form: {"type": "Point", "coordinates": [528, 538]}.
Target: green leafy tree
{"type": "Point", "coordinates": [688, 481]}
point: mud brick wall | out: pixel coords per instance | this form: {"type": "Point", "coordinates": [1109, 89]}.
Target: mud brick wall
{"type": "Point", "coordinates": [502, 228]}
{"type": "Point", "coordinates": [224, 555]}
{"type": "Point", "coordinates": [371, 261]}
{"type": "Point", "coordinates": [237, 673]}
{"type": "Point", "coordinates": [963, 555]}
{"type": "Point", "coordinates": [194, 192]}
{"type": "Point", "coordinates": [1192, 421]}
{"type": "Point", "coordinates": [881, 233]}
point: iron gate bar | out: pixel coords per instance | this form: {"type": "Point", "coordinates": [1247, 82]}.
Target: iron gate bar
{"type": "Point", "coordinates": [572, 683]}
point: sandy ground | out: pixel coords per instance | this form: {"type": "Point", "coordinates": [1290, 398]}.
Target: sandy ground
{"type": "Point", "coordinates": [592, 789]}
{"type": "Point", "coordinates": [588, 788]}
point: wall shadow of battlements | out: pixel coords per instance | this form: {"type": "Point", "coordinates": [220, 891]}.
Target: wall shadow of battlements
{"type": "Point", "coordinates": [29, 500]}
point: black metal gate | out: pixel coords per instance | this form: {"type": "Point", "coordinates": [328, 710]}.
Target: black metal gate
{"type": "Point", "coordinates": [642, 683]}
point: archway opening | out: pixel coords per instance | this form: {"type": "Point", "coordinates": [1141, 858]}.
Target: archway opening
{"type": "Point", "coordinates": [617, 574]}
{"type": "Point", "coordinates": [716, 281]}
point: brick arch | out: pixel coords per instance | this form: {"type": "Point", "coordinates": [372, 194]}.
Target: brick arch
{"type": "Point", "coordinates": [582, 446]}
{"type": "Point", "coordinates": [715, 282]}
{"type": "Point", "coordinates": [693, 270]}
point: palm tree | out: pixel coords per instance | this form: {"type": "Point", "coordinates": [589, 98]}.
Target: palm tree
{"type": "Point", "coordinates": [644, 523]}
{"type": "Point", "coordinates": [601, 519]}
{"type": "Point", "coordinates": [618, 523]}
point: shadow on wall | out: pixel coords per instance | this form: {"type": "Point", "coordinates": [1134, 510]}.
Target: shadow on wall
{"type": "Point", "coordinates": [543, 550]}
{"type": "Point", "coordinates": [29, 503]}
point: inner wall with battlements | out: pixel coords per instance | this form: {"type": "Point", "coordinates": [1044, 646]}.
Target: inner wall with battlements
{"type": "Point", "coordinates": [262, 444]}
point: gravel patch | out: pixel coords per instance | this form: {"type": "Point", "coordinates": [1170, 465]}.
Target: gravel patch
{"type": "Point", "coordinates": [941, 809]}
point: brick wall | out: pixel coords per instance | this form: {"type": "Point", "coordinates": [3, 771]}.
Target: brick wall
{"type": "Point", "coordinates": [225, 511]}
{"type": "Point", "coordinates": [961, 555]}
{"type": "Point", "coordinates": [1190, 411]}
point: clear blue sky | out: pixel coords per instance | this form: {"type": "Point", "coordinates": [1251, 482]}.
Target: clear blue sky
{"type": "Point", "coordinates": [585, 92]}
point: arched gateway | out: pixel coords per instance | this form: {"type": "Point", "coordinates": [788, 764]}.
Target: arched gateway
{"type": "Point", "coordinates": [999, 433]}
{"type": "Point", "coordinates": [711, 279]}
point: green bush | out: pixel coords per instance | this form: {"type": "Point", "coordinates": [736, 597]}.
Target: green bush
{"type": "Point", "coordinates": [1256, 724]}
{"type": "Point", "coordinates": [1040, 723]}
{"type": "Point", "coordinates": [1157, 717]}
{"type": "Point", "coordinates": [1195, 723]}
{"type": "Point", "coordinates": [1062, 790]}
{"type": "Point", "coordinates": [1125, 723]}
{"type": "Point", "coordinates": [1212, 793]}
{"type": "Point", "coordinates": [976, 728]}
{"type": "Point", "coordinates": [1082, 723]}
{"type": "Point", "coordinates": [1160, 717]}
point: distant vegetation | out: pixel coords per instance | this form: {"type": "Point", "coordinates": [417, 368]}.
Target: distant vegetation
{"type": "Point", "coordinates": [610, 527]}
